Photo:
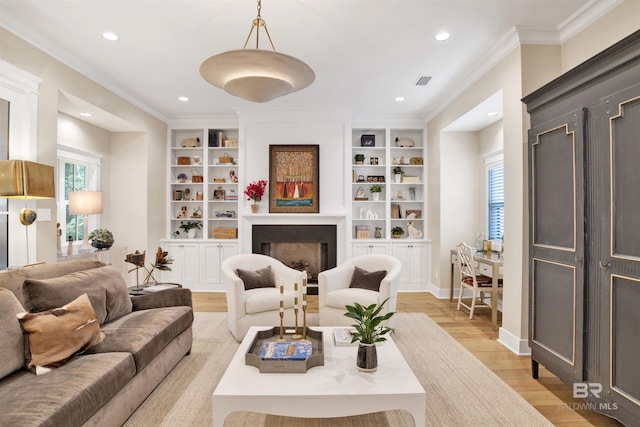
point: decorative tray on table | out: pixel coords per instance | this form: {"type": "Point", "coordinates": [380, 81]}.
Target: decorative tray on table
{"type": "Point", "coordinates": [252, 357]}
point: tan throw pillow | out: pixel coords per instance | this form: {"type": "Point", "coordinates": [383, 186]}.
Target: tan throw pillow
{"type": "Point", "coordinates": [262, 278]}
{"type": "Point", "coordinates": [105, 286]}
{"type": "Point", "coordinates": [11, 336]}
{"type": "Point", "coordinates": [367, 280]}
{"type": "Point", "coordinates": [56, 335]}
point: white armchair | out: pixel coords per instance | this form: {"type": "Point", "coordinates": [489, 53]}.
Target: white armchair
{"type": "Point", "coordinates": [334, 292]}
{"type": "Point", "coordinates": [260, 306]}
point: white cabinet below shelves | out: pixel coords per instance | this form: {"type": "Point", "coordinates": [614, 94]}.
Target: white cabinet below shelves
{"type": "Point", "coordinates": [414, 257]}
{"type": "Point", "coordinates": [213, 256]}
{"type": "Point", "coordinates": [370, 248]}
{"type": "Point", "coordinates": [185, 266]}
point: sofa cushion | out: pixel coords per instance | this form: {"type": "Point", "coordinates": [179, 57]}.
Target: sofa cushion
{"type": "Point", "coordinates": [144, 333]}
{"type": "Point", "coordinates": [104, 285]}
{"type": "Point", "coordinates": [11, 337]}
{"type": "Point", "coordinates": [57, 335]}
{"type": "Point", "coordinates": [364, 279]}
{"type": "Point", "coordinates": [266, 299]}
{"type": "Point", "coordinates": [262, 278]}
{"type": "Point", "coordinates": [67, 396]}
{"type": "Point", "coordinates": [342, 297]}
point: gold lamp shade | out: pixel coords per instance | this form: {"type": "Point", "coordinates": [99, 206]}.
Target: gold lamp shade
{"type": "Point", "coordinates": [21, 179]}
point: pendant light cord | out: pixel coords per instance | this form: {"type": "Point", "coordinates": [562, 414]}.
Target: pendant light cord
{"type": "Point", "coordinates": [257, 23]}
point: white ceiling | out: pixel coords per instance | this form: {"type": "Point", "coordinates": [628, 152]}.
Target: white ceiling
{"type": "Point", "coordinates": [364, 52]}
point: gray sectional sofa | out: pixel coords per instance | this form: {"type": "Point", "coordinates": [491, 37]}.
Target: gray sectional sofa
{"type": "Point", "coordinates": [144, 338]}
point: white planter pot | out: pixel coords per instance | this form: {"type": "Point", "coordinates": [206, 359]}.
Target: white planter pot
{"type": "Point", "coordinates": [398, 178]}
{"type": "Point", "coordinates": [376, 196]}
{"type": "Point", "coordinates": [191, 233]}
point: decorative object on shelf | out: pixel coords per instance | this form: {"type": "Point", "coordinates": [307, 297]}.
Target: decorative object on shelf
{"type": "Point", "coordinates": [361, 178]}
{"type": "Point", "coordinates": [219, 180]}
{"type": "Point", "coordinates": [294, 175]}
{"type": "Point", "coordinates": [190, 142]}
{"type": "Point", "coordinates": [369, 331]}
{"type": "Point", "coordinates": [363, 232]}
{"type": "Point", "coordinates": [231, 143]}
{"type": "Point", "coordinates": [360, 194]}
{"type": "Point", "coordinates": [398, 172]}
{"type": "Point", "coordinates": [218, 193]}
{"type": "Point", "coordinates": [254, 193]}
{"type": "Point", "coordinates": [257, 75]}
{"type": "Point", "coordinates": [401, 161]}
{"type": "Point", "coordinates": [412, 193]}
{"type": "Point", "coordinates": [397, 232]}
{"type": "Point", "coordinates": [413, 213]}
{"type": "Point", "coordinates": [375, 191]}
{"type": "Point", "coordinates": [359, 159]}
{"type": "Point", "coordinates": [375, 178]}
{"type": "Point", "coordinates": [225, 214]}
{"type": "Point", "coordinates": [411, 179]}
{"type": "Point", "coordinates": [196, 160]}
{"type": "Point", "coordinates": [368, 141]}
{"type": "Point", "coordinates": [199, 195]}
{"type": "Point", "coordinates": [182, 177]}
{"type": "Point", "coordinates": [85, 203]}
{"type": "Point", "coordinates": [177, 195]}
{"type": "Point", "coordinates": [232, 177]}
{"type": "Point", "coordinates": [373, 161]}
{"type": "Point", "coordinates": [412, 231]}
{"type": "Point", "coordinates": [182, 213]}
{"type": "Point", "coordinates": [405, 142]}
{"type": "Point", "coordinates": [400, 195]}
{"type": "Point", "coordinates": [415, 161]}
{"type": "Point", "coordinates": [197, 213]}
{"type": "Point", "coordinates": [225, 233]}
{"type": "Point", "coordinates": [395, 211]}
{"type": "Point", "coordinates": [101, 238]}
{"type": "Point", "coordinates": [378, 233]}
{"type": "Point", "coordinates": [184, 161]}
{"type": "Point", "coordinates": [197, 175]}
{"type": "Point", "coordinates": [225, 159]}
{"type": "Point", "coordinates": [187, 194]}
{"type": "Point", "coordinates": [188, 227]}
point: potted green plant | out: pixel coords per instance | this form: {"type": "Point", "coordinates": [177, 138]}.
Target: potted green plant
{"type": "Point", "coordinates": [359, 159]}
{"type": "Point", "coordinates": [375, 191]}
{"type": "Point", "coordinates": [398, 172]}
{"type": "Point", "coordinates": [370, 329]}
{"type": "Point", "coordinates": [101, 238]}
{"type": "Point", "coordinates": [397, 232]}
{"type": "Point", "coordinates": [188, 227]}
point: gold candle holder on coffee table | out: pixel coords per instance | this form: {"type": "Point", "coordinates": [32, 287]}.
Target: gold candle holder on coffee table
{"type": "Point", "coordinates": [296, 335]}
{"type": "Point", "coordinates": [281, 314]}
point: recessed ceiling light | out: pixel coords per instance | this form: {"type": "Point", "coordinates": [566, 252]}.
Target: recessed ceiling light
{"type": "Point", "coordinates": [442, 36]}
{"type": "Point", "coordinates": [399, 98]}
{"type": "Point", "coordinates": [183, 98]}
{"type": "Point", "coordinates": [85, 114]}
{"type": "Point", "coordinates": [110, 36]}
{"type": "Point", "coordinates": [492, 113]}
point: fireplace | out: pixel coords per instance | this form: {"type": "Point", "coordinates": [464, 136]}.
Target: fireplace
{"type": "Point", "coordinates": [304, 247]}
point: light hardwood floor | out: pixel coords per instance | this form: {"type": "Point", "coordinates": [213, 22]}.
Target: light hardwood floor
{"type": "Point", "coordinates": [547, 394]}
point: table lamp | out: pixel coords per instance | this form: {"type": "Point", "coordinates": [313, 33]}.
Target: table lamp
{"type": "Point", "coordinates": [85, 203]}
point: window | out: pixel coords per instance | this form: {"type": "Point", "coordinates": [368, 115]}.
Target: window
{"type": "Point", "coordinates": [76, 172]}
{"type": "Point", "coordinates": [496, 201]}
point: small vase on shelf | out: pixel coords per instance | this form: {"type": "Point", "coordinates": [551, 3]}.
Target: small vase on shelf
{"type": "Point", "coordinates": [254, 207]}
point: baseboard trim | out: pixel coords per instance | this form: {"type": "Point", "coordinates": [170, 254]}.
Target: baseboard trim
{"type": "Point", "coordinates": [517, 345]}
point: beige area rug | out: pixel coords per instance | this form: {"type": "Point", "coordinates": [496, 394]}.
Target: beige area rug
{"type": "Point", "coordinates": [460, 390]}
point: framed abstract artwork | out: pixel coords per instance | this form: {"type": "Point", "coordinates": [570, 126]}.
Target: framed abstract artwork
{"type": "Point", "coordinates": [294, 179]}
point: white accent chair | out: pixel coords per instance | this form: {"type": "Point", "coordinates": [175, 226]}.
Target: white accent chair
{"type": "Point", "coordinates": [258, 307]}
{"type": "Point", "coordinates": [334, 292]}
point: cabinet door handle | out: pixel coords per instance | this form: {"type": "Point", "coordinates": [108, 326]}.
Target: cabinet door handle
{"type": "Point", "coordinates": [603, 267]}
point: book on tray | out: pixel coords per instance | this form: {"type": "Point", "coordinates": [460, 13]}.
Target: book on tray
{"type": "Point", "coordinates": [276, 350]}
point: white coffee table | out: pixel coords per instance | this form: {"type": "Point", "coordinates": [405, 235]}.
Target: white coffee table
{"type": "Point", "coordinates": [336, 389]}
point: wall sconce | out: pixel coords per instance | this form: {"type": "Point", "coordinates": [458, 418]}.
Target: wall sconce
{"type": "Point", "coordinates": [85, 203]}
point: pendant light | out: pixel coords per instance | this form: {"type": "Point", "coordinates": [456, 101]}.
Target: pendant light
{"type": "Point", "coordinates": [257, 75]}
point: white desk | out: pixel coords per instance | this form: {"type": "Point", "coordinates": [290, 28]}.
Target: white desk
{"type": "Point", "coordinates": [336, 389]}
{"type": "Point", "coordinates": [489, 264]}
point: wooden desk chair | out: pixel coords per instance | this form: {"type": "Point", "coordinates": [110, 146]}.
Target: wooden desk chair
{"type": "Point", "coordinates": [477, 283]}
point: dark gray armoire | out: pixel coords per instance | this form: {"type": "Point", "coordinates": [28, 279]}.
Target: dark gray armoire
{"type": "Point", "coordinates": [584, 223]}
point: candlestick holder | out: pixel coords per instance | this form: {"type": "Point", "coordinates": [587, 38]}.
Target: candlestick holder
{"type": "Point", "coordinates": [304, 323]}
{"type": "Point", "coordinates": [296, 335]}
{"type": "Point", "coordinates": [281, 327]}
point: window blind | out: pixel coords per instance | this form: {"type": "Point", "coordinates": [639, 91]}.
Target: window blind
{"type": "Point", "coordinates": [496, 203]}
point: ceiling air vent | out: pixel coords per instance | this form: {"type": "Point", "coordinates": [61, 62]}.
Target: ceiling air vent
{"type": "Point", "coordinates": [422, 81]}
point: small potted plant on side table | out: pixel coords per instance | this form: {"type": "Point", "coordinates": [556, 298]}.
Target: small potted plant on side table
{"type": "Point", "coordinates": [375, 191]}
{"type": "Point", "coordinates": [397, 232]}
{"type": "Point", "coordinates": [369, 331]}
